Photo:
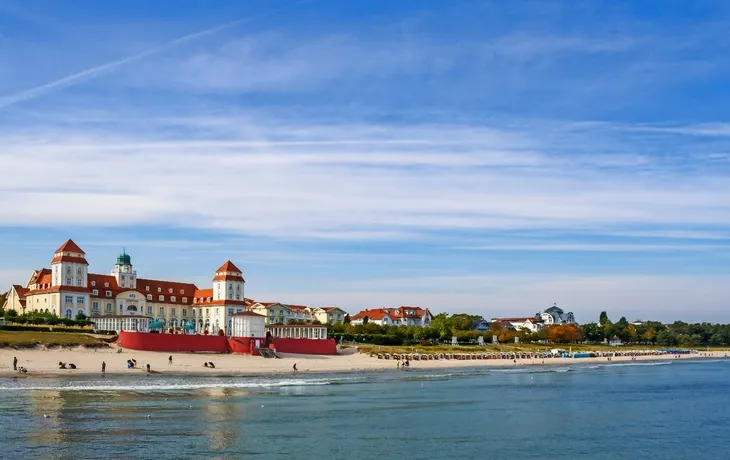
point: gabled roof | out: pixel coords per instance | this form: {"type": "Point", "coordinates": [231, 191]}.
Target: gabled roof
{"type": "Point", "coordinates": [20, 290]}
{"type": "Point", "coordinates": [70, 246]}
{"type": "Point", "coordinates": [229, 267]}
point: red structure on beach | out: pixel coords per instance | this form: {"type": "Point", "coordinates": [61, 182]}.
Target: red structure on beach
{"type": "Point", "coordinates": [181, 343]}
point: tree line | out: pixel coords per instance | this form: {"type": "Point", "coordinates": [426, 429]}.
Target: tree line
{"type": "Point", "coordinates": [444, 326]}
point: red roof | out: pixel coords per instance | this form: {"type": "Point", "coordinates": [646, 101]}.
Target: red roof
{"type": "Point", "coordinates": [392, 313]}
{"type": "Point", "coordinates": [515, 320]}
{"type": "Point", "coordinates": [75, 260]}
{"type": "Point", "coordinates": [248, 313]}
{"type": "Point", "coordinates": [20, 290]}
{"type": "Point", "coordinates": [162, 288]}
{"type": "Point", "coordinates": [228, 277]}
{"type": "Point", "coordinates": [203, 293]}
{"type": "Point", "coordinates": [70, 246]}
{"type": "Point", "coordinates": [229, 267]}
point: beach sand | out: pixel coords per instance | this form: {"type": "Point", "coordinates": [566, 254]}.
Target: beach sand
{"type": "Point", "coordinates": [41, 362]}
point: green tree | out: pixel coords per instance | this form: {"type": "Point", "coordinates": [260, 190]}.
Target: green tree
{"type": "Point", "coordinates": [80, 316]}
{"type": "Point", "coordinates": [593, 332]}
{"type": "Point", "coordinates": [365, 320]}
{"type": "Point", "coordinates": [11, 314]}
{"type": "Point", "coordinates": [347, 318]}
{"type": "Point", "coordinates": [603, 319]}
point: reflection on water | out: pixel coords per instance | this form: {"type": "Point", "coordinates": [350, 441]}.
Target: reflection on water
{"type": "Point", "coordinates": [223, 417]}
{"type": "Point", "coordinates": [51, 430]}
{"type": "Point", "coordinates": [425, 415]}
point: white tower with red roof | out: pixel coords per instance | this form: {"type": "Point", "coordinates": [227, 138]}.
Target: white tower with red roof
{"type": "Point", "coordinates": [69, 266]}
{"type": "Point", "coordinates": [228, 283]}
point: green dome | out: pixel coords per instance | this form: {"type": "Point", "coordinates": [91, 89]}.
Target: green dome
{"type": "Point", "coordinates": [124, 259]}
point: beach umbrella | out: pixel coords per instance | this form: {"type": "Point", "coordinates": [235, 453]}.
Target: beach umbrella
{"type": "Point", "coordinates": [155, 325]}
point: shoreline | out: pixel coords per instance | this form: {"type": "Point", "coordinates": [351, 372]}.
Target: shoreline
{"type": "Point", "coordinates": [44, 363]}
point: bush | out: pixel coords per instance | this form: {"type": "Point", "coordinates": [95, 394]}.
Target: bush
{"type": "Point", "coordinates": [15, 327]}
{"type": "Point", "coordinates": [382, 339]}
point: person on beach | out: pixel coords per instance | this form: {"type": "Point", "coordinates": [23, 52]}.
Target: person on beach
{"type": "Point", "coordinates": [15, 363]}
{"type": "Point", "coordinates": [397, 364]}
{"type": "Point", "coordinates": [103, 367]}
{"type": "Point", "coordinates": [148, 369]}
{"type": "Point", "coordinates": [295, 369]}
{"type": "Point", "coordinates": [169, 360]}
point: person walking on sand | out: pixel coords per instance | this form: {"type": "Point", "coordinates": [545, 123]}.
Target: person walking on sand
{"type": "Point", "coordinates": [296, 371]}
{"type": "Point", "coordinates": [397, 364]}
{"type": "Point", "coordinates": [169, 360]}
{"type": "Point", "coordinates": [15, 363]}
{"type": "Point", "coordinates": [103, 367]}
{"type": "Point", "coordinates": [148, 368]}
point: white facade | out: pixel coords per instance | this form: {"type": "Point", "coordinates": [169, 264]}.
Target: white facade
{"type": "Point", "coordinates": [118, 323]}
{"type": "Point", "coordinates": [292, 331]}
{"type": "Point", "coordinates": [248, 324]}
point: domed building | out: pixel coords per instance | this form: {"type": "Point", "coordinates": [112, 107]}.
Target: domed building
{"type": "Point", "coordinates": [123, 301]}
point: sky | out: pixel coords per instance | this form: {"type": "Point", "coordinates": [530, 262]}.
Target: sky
{"type": "Point", "coordinates": [484, 157]}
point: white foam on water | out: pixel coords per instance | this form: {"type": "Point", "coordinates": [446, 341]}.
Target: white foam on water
{"type": "Point", "coordinates": [172, 386]}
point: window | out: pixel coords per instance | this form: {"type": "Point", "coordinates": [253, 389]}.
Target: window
{"type": "Point", "coordinates": [93, 283]}
{"type": "Point", "coordinates": [106, 284]}
{"type": "Point", "coordinates": [172, 311]}
{"type": "Point", "coordinates": [172, 299]}
{"type": "Point", "coordinates": [108, 308]}
{"type": "Point", "coordinates": [147, 288]}
{"type": "Point", "coordinates": [108, 293]}
{"type": "Point", "coordinates": [149, 310]}
{"type": "Point", "coordinates": [230, 311]}
{"type": "Point", "coordinates": [80, 300]}
{"type": "Point", "coordinates": [184, 312]}
{"type": "Point", "coordinates": [162, 311]}
{"type": "Point", "coordinates": [68, 280]}
{"type": "Point", "coordinates": [78, 281]}
{"type": "Point", "coordinates": [169, 290]}
{"type": "Point", "coordinates": [68, 299]}
{"type": "Point", "coordinates": [185, 300]}
{"type": "Point", "coordinates": [182, 291]}
{"type": "Point", "coordinates": [132, 296]}
{"type": "Point", "coordinates": [122, 277]}
{"type": "Point", "coordinates": [95, 292]}
{"type": "Point", "coordinates": [95, 306]}
{"type": "Point", "coordinates": [162, 298]}
{"type": "Point", "coordinates": [123, 285]}
{"type": "Point", "coordinates": [149, 296]}
{"type": "Point", "coordinates": [238, 296]}
{"type": "Point", "coordinates": [159, 289]}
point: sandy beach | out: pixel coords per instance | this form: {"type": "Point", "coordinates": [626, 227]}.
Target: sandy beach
{"type": "Point", "coordinates": [41, 362]}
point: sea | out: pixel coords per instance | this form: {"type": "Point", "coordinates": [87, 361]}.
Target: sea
{"type": "Point", "coordinates": [641, 410]}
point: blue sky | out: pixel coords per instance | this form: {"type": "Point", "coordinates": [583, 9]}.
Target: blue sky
{"type": "Point", "coordinates": [488, 157]}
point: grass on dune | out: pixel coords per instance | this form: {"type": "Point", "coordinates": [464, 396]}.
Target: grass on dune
{"type": "Point", "coordinates": [25, 339]}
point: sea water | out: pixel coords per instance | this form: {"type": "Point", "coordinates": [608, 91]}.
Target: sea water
{"type": "Point", "coordinates": [661, 410]}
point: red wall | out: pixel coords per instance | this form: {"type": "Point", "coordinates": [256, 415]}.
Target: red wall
{"type": "Point", "coordinates": [306, 346]}
{"type": "Point", "coordinates": [173, 342]}
{"type": "Point", "coordinates": [243, 344]}
{"type": "Point", "coordinates": [215, 344]}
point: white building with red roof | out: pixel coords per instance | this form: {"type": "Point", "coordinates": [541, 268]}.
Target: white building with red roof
{"type": "Point", "coordinates": [529, 322]}
{"type": "Point", "coordinates": [67, 289]}
{"type": "Point", "coordinates": [401, 316]}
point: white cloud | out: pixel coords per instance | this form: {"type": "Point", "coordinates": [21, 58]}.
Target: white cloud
{"type": "Point", "coordinates": [345, 182]}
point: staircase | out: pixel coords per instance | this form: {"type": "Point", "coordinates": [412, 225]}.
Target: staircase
{"type": "Point", "coordinates": [266, 353]}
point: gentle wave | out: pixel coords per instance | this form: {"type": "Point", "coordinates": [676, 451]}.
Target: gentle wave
{"type": "Point", "coordinates": [174, 386]}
